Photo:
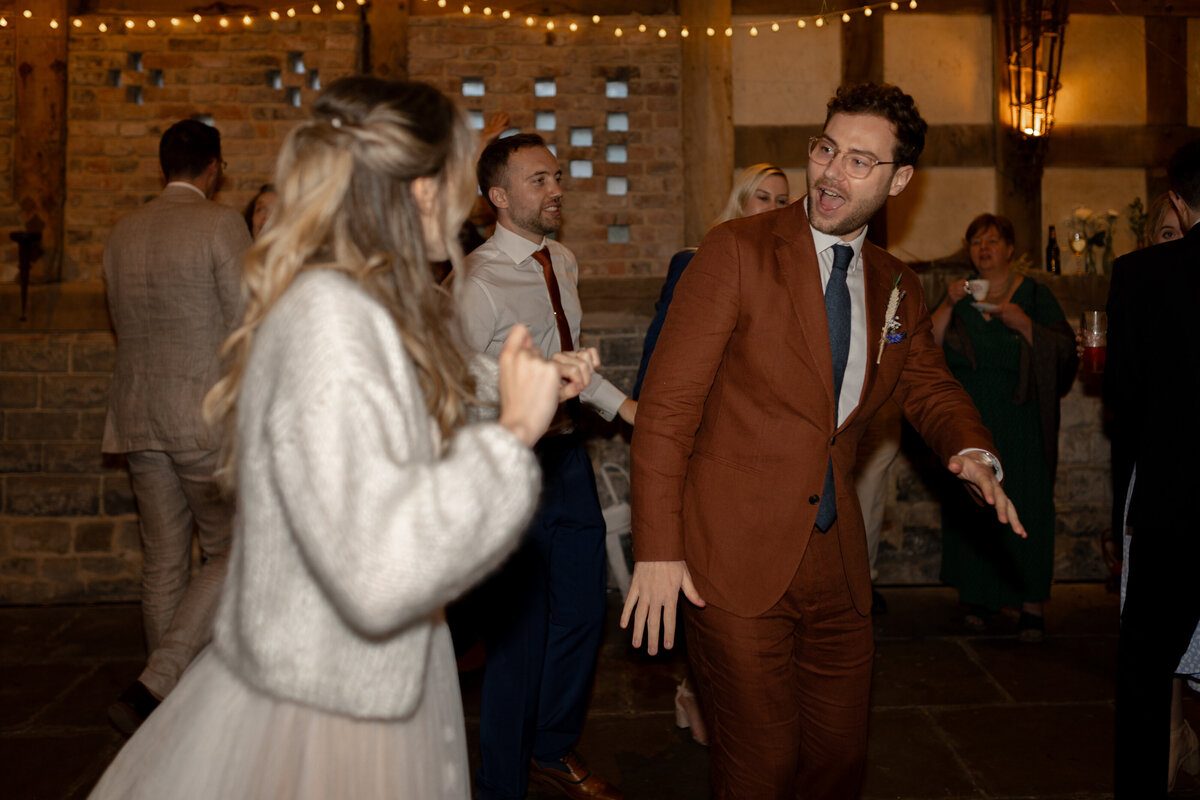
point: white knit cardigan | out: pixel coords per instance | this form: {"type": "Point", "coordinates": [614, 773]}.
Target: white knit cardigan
{"type": "Point", "coordinates": [351, 531]}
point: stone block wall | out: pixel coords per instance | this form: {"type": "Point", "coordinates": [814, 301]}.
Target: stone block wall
{"type": "Point", "coordinates": [68, 524]}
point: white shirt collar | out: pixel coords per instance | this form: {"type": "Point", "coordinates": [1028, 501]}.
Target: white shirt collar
{"type": "Point", "coordinates": [516, 246]}
{"type": "Point", "coordinates": [824, 241]}
{"type": "Point", "coordinates": [191, 186]}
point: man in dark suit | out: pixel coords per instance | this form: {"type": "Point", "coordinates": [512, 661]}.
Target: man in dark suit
{"type": "Point", "coordinates": [1150, 385]}
{"type": "Point", "coordinates": [786, 335]}
{"type": "Point", "coordinates": [173, 271]}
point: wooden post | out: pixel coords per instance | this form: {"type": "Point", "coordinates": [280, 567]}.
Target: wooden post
{"type": "Point", "coordinates": [707, 114]}
{"type": "Point", "coordinates": [1019, 160]}
{"type": "Point", "coordinates": [385, 39]}
{"type": "Point", "coordinates": [40, 143]}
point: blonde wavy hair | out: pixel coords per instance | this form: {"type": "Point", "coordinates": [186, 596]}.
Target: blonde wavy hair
{"type": "Point", "coordinates": [344, 183]}
{"type": "Point", "coordinates": [744, 187]}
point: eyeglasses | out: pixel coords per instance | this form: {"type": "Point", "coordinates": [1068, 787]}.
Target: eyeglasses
{"type": "Point", "coordinates": [856, 165]}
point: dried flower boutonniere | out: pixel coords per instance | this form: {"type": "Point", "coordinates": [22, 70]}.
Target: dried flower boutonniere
{"type": "Point", "coordinates": [891, 333]}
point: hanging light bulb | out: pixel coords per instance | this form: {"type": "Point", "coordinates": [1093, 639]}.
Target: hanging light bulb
{"type": "Point", "coordinates": [820, 23]}
{"type": "Point", "coordinates": [3, 22]}
{"type": "Point", "coordinates": [27, 13]}
{"type": "Point", "coordinates": [340, 6]}
{"type": "Point", "coordinates": [683, 32]}
{"type": "Point", "coordinates": [247, 20]}
{"type": "Point", "coordinates": [895, 6]}
{"type": "Point", "coordinates": [753, 31]}
{"type": "Point", "coordinates": [642, 28]}
{"type": "Point", "coordinates": [129, 24]}
{"type": "Point", "coordinates": [487, 11]}
{"type": "Point", "coordinates": [595, 19]}
{"type": "Point", "coordinates": [728, 32]}
{"type": "Point", "coordinates": [196, 18]}
{"type": "Point", "coordinates": [710, 32]}
{"type": "Point", "coordinates": [175, 21]}
{"type": "Point", "coordinates": [550, 25]}
{"type": "Point", "coordinates": [102, 28]}
{"type": "Point", "coordinates": [54, 24]}
{"type": "Point", "coordinates": [77, 22]}
{"type": "Point", "coordinates": [466, 9]}
{"type": "Point", "coordinates": [316, 9]}
{"type": "Point", "coordinates": [573, 26]}
{"type": "Point", "coordinates": [866, 12]}
{"type": "Point", "coordinates": [618, 33]}
{"type": "Point", "coordinates": [151, 24]}
{"type": "Point", "coordinates": [506, 14]}
{"type": "Point", "coordinates": [224, 23]}
{"type": "Point", "coordinates": [291, 12]}
{"type": "Point", "coordinates": [662, 33]}
{"type": "Point", "coordinates": [274, 15]}
{"type": "Point", "coordinates": [845, 17]}
{"type": "Point", "coordinates": [775, 27]}
{"type": "Point", "coordinates": [529, 21]}
{"type": "Point", "coordinates": [912, 3]}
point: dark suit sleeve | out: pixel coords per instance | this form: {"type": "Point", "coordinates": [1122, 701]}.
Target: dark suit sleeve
{"type": "Point", "coordinates": [1118, 381]}
{"type": "Point", "coordinates": [674, 272]}
{"type": "Point", "coordinates": [704, 312]}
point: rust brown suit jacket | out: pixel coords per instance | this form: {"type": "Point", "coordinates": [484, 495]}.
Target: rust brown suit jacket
{"type": "Point", "coordinates": [736, 420]}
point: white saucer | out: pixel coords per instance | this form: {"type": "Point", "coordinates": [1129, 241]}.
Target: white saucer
{"type": "Point", "coordinates": [984, 306]}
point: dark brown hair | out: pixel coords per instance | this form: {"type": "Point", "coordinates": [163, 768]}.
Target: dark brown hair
{"type": "Point", "coordinates": [983, 222]}
{"type": "Point", "coordinates": [891, 103]}
{"type": "Point", "coordinates": [492, 169]}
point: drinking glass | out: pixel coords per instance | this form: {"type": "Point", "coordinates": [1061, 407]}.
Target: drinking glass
{"type": "Point", "coordinates": [1095, 340]}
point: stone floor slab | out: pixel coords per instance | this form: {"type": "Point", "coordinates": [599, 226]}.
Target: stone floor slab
{"type": "Point", "coordinates": [1061, 668]}
{"type": "Point", "coordinates": [928, 672]}
{"type": "Point", "coordinates": [907, 756]}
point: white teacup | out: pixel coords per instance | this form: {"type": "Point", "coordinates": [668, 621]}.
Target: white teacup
{"type": "Point", "coordinates": [978, 288]}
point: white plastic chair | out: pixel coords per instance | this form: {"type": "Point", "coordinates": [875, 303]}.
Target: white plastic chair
{"type": "Point", "coordinates": [618, 520]}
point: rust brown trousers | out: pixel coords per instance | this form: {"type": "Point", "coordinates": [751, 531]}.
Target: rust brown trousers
{"type": "Point", "coordinates": [736, 425]}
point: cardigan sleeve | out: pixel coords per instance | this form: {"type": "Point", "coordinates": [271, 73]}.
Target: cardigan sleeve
{"type": "Point", "coordinates": [389, 529]}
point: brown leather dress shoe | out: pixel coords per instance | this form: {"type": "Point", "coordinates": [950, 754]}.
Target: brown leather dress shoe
{"type": "Point", "coordinates": [575, 780]}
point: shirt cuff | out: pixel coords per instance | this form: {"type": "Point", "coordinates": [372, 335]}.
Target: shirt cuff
{"type": "Point", "coordinates": [993, 462]}
{"type": "Point", "coordinates": [603, 397]}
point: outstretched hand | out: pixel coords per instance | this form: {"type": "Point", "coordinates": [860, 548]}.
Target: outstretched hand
{"type": "Point", "coordinates": [975, 471]}
{"type": "Point", "coordinates": [654, 598]}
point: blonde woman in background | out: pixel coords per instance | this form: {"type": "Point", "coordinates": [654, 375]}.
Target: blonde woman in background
{"type": "Point", "coordinates": [366, 498]}
{"type": "Point", "coordinates": [762, 187]}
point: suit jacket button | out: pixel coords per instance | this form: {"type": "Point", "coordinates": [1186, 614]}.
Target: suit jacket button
{"type": "Point", "coordinates": [813, 499]}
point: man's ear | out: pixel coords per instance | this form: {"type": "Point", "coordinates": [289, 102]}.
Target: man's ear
{"type": "Point", "coordinates": [900, 179]}
{"type": "Point", "coordinates": [498, 196]}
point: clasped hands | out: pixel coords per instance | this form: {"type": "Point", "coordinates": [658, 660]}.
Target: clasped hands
{"type": "Point", "coordinates": [531, 386]}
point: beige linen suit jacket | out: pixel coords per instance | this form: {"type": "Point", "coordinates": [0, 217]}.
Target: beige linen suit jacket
{"type": "Point", "coordinates": [173, 270]}
{"type": "Point", "coordinates": [737, 421]}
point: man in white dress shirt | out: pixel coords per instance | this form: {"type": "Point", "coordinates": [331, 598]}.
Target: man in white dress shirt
{"type": "Point", "coordinates": [545, 609]}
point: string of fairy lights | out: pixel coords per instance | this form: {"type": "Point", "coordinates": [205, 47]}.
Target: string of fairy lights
{"type": "Point", "coordinates": [549, 23]}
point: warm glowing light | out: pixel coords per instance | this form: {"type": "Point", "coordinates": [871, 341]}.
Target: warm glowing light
{"type": "Point", "coordinates": [274, 14]}
{"type": "Point", "coordinates": [466, 9]}
{"type": "Point", "coordinates": [912, 3]}
{"type": "Point", "coordinates": [775, 27]}
{"type": "Point", "coordinates": [573, 26]}
{"type": "Point", "coordinates": [224, 22]}
{"type": "Point", "coordinates": [595, 19]}
{"type": "Point", "coordinates": [845, 17]}
{"type": "Point", "coordinates": [505, 14]}
{"type": "Point", "coordinates": [340, 6]}
{"type": "Point", "coordinates": [27, 13]}
{"type": "Point", "coordinates": [291, 12]}
{"type": "Point", "coordinates": [102, 28]}
{"type": "Point", "coordinates": [441, 3]}
{"type": "Point", "coordinates": [820, 23]}
{"type": "Point", "coordinates": [246, 20]}
{"type": "Point", "coordinates": [895, 6]}
{"type": "Point", "coordinates": [710, 32]}
{"type": "Point", "coordinates": [729, 31]}
{"type": "Point", "coordinates": [195, 17]}
{"type": "Point", "coordinates": [151, 24]}
{"type": "Point", "coordinates": [54, 24]}
{"type": "Point", "coordinates": [78, 23]}
{"type": "Point", "coordinates": [866, 12]}
{"type": "Point", "coordinates": [129, 24]}
{"type": "Point", "coordinates": [618, 33]}
{"type": "Point", "coordinates": [529, 21]}
{"type": "Point", "coordinates": [684, 33]}
{"type": "Point", "coordinates": [487, 12]}
{"type": "Point", "coordinates": [361, 2]}
{"type": "Point", "coordinates": [316, 8]}
{"type": "Point", "coordinates": [3, 22]}
{"type": "Point", "coordinates": [753, 31]}
{"type": "Point", "coordinates": [662, 33]}
{"type": "Point", "coordinates": [175, 21]}
{"type": "Point", "coordinates": [800, 23]}
{"type": "Point", "coordinates": [550, 25]}
{"type": "Point", "coordinates": [642, 28]}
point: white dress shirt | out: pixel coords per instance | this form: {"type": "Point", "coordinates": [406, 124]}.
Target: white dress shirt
{"type": "Point", "coordinates": [504, 285]}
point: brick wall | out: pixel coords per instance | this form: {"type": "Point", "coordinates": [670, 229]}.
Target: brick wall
{"type": "Point", "coordinates": [127, 87]}
{"type": "Point", "coordinates": [68, 530]}
{"type": "Point", "coordinates": [10, 217]}
{"type": "Point", "coordinates": [508, 60]}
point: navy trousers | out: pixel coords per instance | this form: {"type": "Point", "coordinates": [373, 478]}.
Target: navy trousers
{"type": "Point", "coordinates": [543, 615]}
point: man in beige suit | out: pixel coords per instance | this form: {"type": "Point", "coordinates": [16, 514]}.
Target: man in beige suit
{"type": "Point", "coordinates": [173, 269]}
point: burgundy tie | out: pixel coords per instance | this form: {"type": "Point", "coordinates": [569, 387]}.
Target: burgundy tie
{"type": "Point", "coordinates": [560, 317]}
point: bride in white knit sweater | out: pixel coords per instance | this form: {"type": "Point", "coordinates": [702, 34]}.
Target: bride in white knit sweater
{"type": "Point", "coordinates": [367, 498]}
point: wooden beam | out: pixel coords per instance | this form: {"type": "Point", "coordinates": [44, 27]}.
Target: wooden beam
{"type": "Point", "coordinates": [806, 8]}
{"type": "Point", "coordinates": [1019, 160]}
{"type": "Point", "coordinates": [1166, 86]}
{"type": "Point", "coordinates": [862, 50]}
{"type": "Point", "coordinates": [1109, 146]}
{"type": "Point", "coordinates": [40, 140]}
{"type": "Point", "coordinates": [707, 115]}
{"type": "Point", "coordinates": [385, 39]}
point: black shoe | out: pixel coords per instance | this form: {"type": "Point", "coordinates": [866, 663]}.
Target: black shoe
{"type": "Point", "coordinates": [132, 707]}
{"type": "Point", "coordinates": [977, 617]}
{"type": "Point", "coordinates": [878, 604]}
{"type": "Point", "coordinates": [1031, 627]}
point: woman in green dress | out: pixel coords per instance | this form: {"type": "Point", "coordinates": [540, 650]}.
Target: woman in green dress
{"type": "Point", "coordinates": [1006, 340]}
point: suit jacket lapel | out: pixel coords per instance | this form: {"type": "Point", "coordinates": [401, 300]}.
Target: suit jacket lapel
{"type": "Point", "coordinates": [796, 256]}
{"type": "Point", "coordinates": [877, 286]}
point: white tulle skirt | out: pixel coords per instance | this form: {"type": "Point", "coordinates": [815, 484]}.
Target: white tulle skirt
{"type": "Point", "coordinates": [215, 737]}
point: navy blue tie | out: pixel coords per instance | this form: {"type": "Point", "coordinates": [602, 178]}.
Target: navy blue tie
{"type": "Point", "coordinates": [837, 314]}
